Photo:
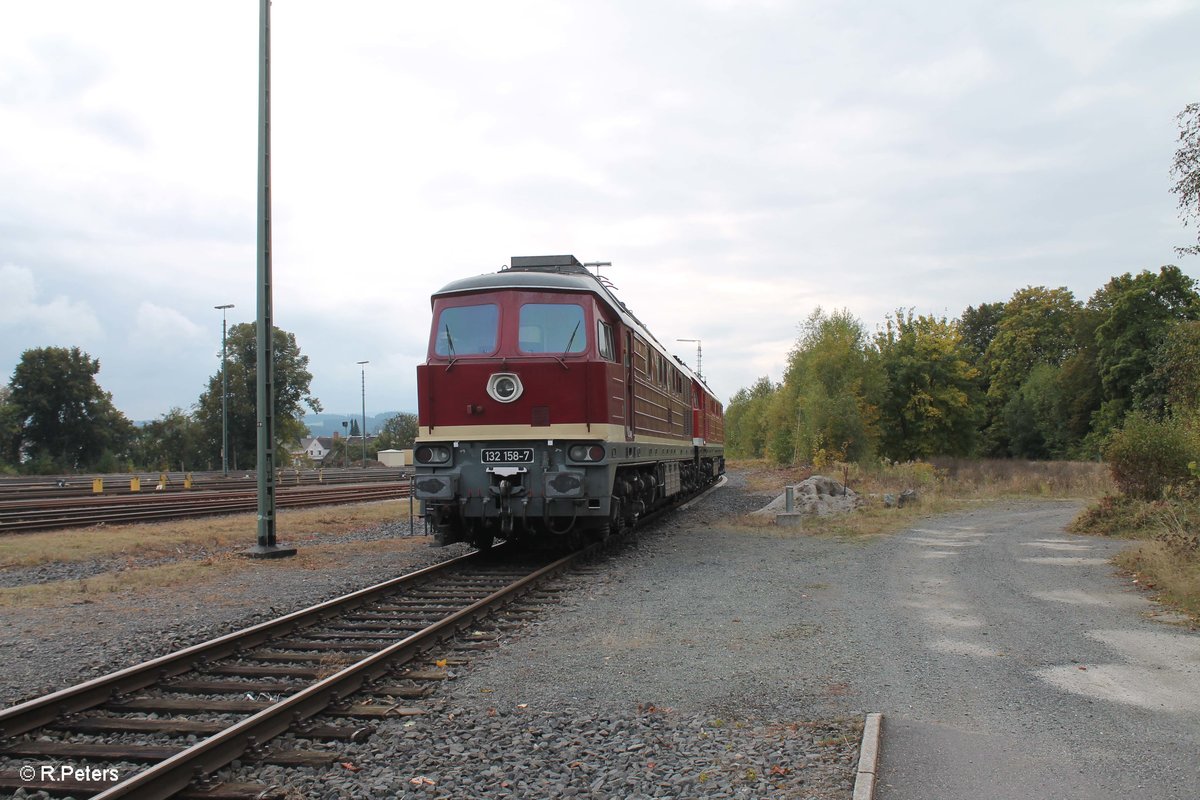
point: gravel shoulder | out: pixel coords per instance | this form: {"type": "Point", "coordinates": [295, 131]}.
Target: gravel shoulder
{"type": "Point", "coordinates": [714, 660]}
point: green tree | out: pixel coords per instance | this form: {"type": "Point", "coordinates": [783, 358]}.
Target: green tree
{"type": "Point", "coordinates": [174, 442]}
{"type": "Point", "coordinates": [928, 407]}
{"type": "Point", "coordinates": [1173, 383]}
{"type": "Point", "coordinates": [978, 326]}
{"type": "Point", "coordinates": [398, 433]}
{"type": "Point", "coordinates": [1185, 170]}
{"type": "Point", "coordinates": [1137, 312]}
{"type": "Point", "coordinates": [66, 421]}
{"type": "Point", "coordinates": [10, 431]}
{"type": "Point", "coordinates": [292, 380]}
{"type": "Point", "coordinates": [826, 405]}
{"type": "Point", "coordinates": [1038, 326]}
{"type": "Point", "coordinates": [1034, 416]}
{"type": "Point", "coordinates": [746, 422]}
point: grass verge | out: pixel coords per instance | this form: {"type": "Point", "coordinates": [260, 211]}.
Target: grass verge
{"type": "Point", "coordinates": [942, 485]}
{"type": "Point", "coordinates": [189, 536]}
{"type": "Point", "coordinates": [313, 557]}
{"type": "Point", "coordinates": [1166, 557]}
{"type": "Point", "coordinates": [199, 551]}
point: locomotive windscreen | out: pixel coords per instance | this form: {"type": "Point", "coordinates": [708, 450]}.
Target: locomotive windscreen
{"type": "Point", "coordinates": [467, 330]}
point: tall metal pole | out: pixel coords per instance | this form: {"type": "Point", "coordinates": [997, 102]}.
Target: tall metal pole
{"type": "Point", "coordinates": [224, 393]}
{"type": "Point", "coordinates": [363, 364]}
{"type": "Point", "coordinates": [266, 547]}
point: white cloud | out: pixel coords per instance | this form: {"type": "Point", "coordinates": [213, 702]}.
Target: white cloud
{"type": "Point", "coordinates": [162, 328]}
{"type": "Point", "coordinates": [59, 321]}
{"type": "Point", "coordinates": [740, 163]}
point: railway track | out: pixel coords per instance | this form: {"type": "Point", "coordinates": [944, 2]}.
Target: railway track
{"type": "Point", "coordinates": [38, 514]}
{"type": "Point", "coordinates": [322, 673]}
{"type": "Point", "coordinates": [55, 487]}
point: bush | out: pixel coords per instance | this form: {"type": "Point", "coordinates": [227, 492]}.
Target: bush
{"type": "Point", "coordinates": [1148, 456]}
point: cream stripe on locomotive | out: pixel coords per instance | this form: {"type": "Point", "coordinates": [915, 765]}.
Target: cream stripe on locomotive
{"type": "Point", "coordinates": [611, 435]}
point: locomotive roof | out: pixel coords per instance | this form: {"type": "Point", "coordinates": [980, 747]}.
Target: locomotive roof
{"type": "Point", "coordinates": [557, 273]}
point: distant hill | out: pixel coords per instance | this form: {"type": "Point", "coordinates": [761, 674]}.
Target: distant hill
{"type": "Point", "coordinates": [325, 423]}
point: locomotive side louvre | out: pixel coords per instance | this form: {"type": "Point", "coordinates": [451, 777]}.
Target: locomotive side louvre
{"type": "Point", "coordinates": [546, 407]}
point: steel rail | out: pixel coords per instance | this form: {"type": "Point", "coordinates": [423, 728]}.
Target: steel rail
{"type": "Point", "coordinates": [64, 513]}
{"type": "Point", "coordinates": [58, 486]}
{"type": "Point", "coordinates": [42, 711]}
{"type": "Point", "coordinates": [179, 771]}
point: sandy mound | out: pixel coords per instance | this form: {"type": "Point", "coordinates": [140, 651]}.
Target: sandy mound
{"type": "Point", "coordinates": [819, 496]}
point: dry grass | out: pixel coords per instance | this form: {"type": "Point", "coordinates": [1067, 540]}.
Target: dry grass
{"type": "Point", "coordinates": [1167, 560]}
{"type": "Point", "coordinates": [108, 583]}
{"type": "Point", "coordinates": [1162, 568]}
{"type": "Point", "coordinates": [1006, 478]}
{"type": "Point", "coordinates": [193, 573]}
{"type": "Point", "coordinates": [193, 541]}
{"type": "Point", "coordinates": [942, 485]}
{"type": "Point", "coordinates": [177, 537]}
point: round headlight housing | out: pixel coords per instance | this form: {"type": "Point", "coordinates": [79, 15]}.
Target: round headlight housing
{"type": "Point", "coordinates": [431, 454]}
{"type": "Point", "coordinates": [504, 387]}
{"type": "Point", "coordinates": [585, 452]}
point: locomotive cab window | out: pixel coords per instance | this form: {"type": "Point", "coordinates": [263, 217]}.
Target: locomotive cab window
{"type": "Point", "coordinates": [467, 330]}
{"type": "Point", "coordinates": [604, 341]}
{"type": "Point", "coordinates": [556, 328]}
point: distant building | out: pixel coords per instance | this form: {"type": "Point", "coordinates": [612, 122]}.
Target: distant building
{"type": "Point", "coordinates": [317, 447]}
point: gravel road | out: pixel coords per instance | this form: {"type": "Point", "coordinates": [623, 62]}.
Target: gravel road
{"type": "Point", "coordinates": [719, 661]}
{"type": "Point", "coordinates": [1011, 661]}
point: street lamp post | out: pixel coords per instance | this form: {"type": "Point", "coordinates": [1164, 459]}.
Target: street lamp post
{"type": "Point", "coordinates": [699, 371]}
{"type": "Point", "coordinates": [224, 394]}
{"type": "Point", "coordinates": [363, 364]}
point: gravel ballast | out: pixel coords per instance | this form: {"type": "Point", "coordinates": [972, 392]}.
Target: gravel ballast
{"type": "Point", "coordinates": [687, 665]}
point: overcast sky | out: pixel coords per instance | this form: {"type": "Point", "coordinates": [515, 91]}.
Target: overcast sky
{"type": "Point", "coordinates": [740, 163]}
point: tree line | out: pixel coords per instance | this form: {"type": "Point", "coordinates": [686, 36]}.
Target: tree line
{"type": "Point", "coordinates": [55, 418]}
{"type": "Point", "coordinates": [1041, 375]}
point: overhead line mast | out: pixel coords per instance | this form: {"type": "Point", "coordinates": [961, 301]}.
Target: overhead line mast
{"type": "Point", "coordinates": [266, 546]}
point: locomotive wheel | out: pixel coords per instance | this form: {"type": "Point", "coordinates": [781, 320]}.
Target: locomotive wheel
{"type": "Point", "coordinates": [482, 539]}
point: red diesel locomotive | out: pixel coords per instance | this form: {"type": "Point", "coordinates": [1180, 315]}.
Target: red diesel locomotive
{"type": "Point", "coordinates": [547, 409]}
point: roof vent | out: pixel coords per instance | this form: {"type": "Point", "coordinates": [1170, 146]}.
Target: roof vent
{"type": "Point", "coordinates": [563, 263]}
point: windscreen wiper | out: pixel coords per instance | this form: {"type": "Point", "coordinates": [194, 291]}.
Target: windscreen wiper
{"type": "Point", "coordinates": [450, 343]}
{"type": "Point", "coordinates": [570, 342]}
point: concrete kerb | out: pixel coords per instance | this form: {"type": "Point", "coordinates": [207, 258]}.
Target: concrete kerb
{"type": "Point", "coordinates": [868, 758]}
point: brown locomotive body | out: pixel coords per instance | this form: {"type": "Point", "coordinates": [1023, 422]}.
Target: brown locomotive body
{"type": "Point", "coordinates": [547, 409]}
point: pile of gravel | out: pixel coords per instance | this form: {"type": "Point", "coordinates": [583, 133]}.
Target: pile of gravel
{"type": "Point", "coordinates": [818, 495]}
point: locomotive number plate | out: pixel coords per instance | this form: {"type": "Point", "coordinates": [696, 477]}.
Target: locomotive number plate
{"type": "Point", "coordinates": [506, 455]}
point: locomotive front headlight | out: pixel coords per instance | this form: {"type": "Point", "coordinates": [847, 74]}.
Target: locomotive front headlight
{"type": "Point", "coordinates": [504, 387]}
{"type": "Point", "coordinates": [432, 454]}
{"type": "Point", "coordinates": [583, 452]}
